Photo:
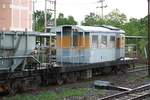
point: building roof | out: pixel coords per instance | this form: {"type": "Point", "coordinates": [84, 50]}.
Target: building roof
{"type": "Point", "coordinates": [104, 28]}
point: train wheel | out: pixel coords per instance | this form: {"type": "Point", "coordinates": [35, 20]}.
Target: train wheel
{"type": "Point", "coordinates": [114, 69]}
{"type": "Point", "coordinates": [37, 82]}
{"type": "Point", "coordinates": [71, 77]}
{"type": "Point", "coordinates": [120, 69]}
{"type": "Point", "coordinates": [60, 81]}
{"type": "Point", "coordinates": [14, 87]}
{"type": "Point", "coordinates": [124, 69]}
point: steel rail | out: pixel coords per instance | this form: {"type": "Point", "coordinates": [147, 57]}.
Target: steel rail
{"type": "Point", "coordinates": [141, 97]}
{"type": "Point", "coordinates": [137, 69]}
{"type": "Point", "coordinates": [122, 94]}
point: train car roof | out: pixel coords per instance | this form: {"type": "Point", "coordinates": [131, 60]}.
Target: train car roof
{"type": "Point", "coordinates": [29, 33]}
{"type": "Point", "coordinates": [103, 28]}
{"type": "Point", "coordinates": [18, 33]}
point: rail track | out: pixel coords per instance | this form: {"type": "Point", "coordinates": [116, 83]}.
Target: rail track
{"type": "Point", "coordinates": [138, 69]}
{"type": "Point", "coordinates": [139, 93]}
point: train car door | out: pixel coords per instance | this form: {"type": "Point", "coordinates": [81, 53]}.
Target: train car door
{"type": "Point", "coordinates": [120, 46]}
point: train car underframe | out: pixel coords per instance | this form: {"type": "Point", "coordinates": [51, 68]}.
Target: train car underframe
{"type": "Point", "coordinates": [25, 75]}
{"type": "Point", "coordinates": [71, 73]}
{"type": "Point", "coordinates": [19, 81]}
{"type": "Point", "coordinates": [13, 82]}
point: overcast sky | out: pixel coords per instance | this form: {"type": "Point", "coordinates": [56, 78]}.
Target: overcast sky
{"type": "Point", "coordinates": [79, 8]}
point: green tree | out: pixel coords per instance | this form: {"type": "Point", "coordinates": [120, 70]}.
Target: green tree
{"type": "Point", "coordinates": [136, 26]}
{"type": "Point", "coordinates": [39, 19]}
{"type": "Point", "coordinates": [61, 20]}
{"type": "Point", "coordinates": [90, 20]}
{"type": "Point", "coordinates": [116, 18]}
{"type": "Point", "coordinates": [71, 20]}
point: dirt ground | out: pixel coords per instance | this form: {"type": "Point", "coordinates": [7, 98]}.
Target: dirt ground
{"type": "Point", "coordinates": [130, 80]}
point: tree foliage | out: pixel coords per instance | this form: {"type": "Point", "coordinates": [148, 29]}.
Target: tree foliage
{"type": "Point", "coordinates": [136, 26]}
{"type": "Point", "coordinates": [116, 18]}
{"type": "Point", "coordinates": [90, 20]}
{"type": "Point", "coordinates": [39, 20]}
{"type": "Point", "coordinates": [61, 20]}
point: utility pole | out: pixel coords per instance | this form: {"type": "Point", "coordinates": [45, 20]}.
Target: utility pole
{"type": "Point", "coordinates": [149, 37]}
{"type": "Point", "coordinates": [45, 17]}
{"type": "Point", "coordinates": [55, 24]}
{"type": "Point", "coordinates": [102, 7]}
{"type": "Point", "coordinates": [34, 23]}
{"type": "Point", "coordinates": [51, 23]}
{"type": "Point", "coordinates": [51, 10]}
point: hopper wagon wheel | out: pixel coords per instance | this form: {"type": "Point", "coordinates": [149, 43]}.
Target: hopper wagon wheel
{"type": "Point", "coordinates": [124, 68]}
{"type": "Point", "coordinates": [14, 87]}
{"type": "Point", "coordinates": [71, 77]}
{"type": "Point", "coordinates": [37, 82]}
{"type": "Point", "coordinates": [60, 80]}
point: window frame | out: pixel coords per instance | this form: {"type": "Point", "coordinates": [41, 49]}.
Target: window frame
{"type": "Point", "coordinates": [104, 38]}
{"type": "Point", "coordinates": [96, 41]}
{"type": "Point", "coordinates": [112, 42]}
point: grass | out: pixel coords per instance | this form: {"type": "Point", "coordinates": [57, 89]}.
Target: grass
{"type": "Point", "coordinates": [49, 95]}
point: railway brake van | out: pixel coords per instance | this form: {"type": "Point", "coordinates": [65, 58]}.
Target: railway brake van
{"type": "Point", "coordinates": [86, 44]}
{"type": "Point", "coordinates": [90, 50]}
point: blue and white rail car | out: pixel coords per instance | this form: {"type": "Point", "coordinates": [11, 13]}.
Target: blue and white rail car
{"type": "Point", "coordinates": [88, 44]}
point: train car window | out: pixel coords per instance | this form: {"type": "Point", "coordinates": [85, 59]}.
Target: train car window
{"type": "Point", "coordinates": [58, 39]}
{"type": "Point", "coordinates": [123, 42]}
{"type": "Point", "coordinates": [67, 39]}
{"type": "Point", "coordinates": [80, 39]}
{"type": "Point", "coordinates": [112, 42]}
{"type": "Point", "coordinates": [104, 41]}
{"type": "Point", "coordinates": [87, 40]}
{"type": "Point", "coordinates": [95, 41]}
{"type": "Point", "coordinates": [75, 39]}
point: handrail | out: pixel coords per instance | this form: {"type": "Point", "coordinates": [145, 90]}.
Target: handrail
{"type": "Point", "coordinates": [16, 57]}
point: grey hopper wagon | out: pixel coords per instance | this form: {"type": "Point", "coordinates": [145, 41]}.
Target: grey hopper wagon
{"type": "Point", "coordinates": [14, 48]}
